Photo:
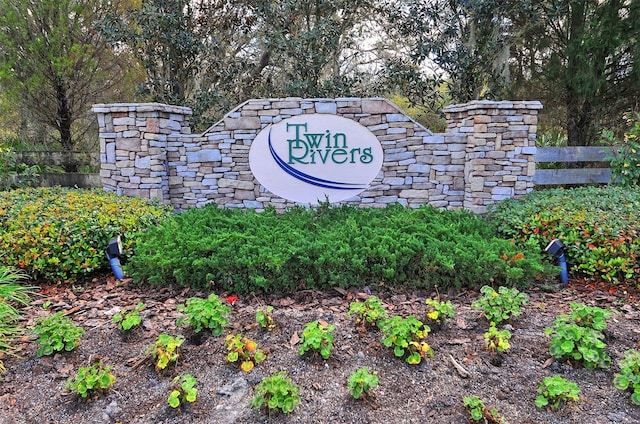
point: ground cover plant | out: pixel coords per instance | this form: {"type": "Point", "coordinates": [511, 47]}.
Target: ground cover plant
{"type": "Point", "coordinates": [130, 319]}
{"type": "Point", "coordinates": [209, 314]}
{"type": "Point", "coordinates": [368, 313]}
{"type": "Point", "coordinates": [56, 333]}
{"type": "Point", "coordinates": [244, 351]}
{"type": "Point", "coordinates": [579, 336]}
{"type": "Point", "coordinates": [330, 246]}
{"type": "Point", "coordinates": [501, 305]}
{"type": "Point", "coordinates": [185, 391]}
{"type": "Point", "coordinates": [629, 376]}
{"type": "Point", "coordinates": [61, 234]}
{"type": "Point", "coordinates": [278, 393]}
{"type": "Point", "coordinates": [361, 382]}
{"type": "Point", "coordinates": [407, 338]}
{"type": "Point", "coordinates": [165, 350]}
{"type": "Point", "coordinates": [556, 390]}
{"type": "Point", "coordinates": [599, 227]}
{"type": "Point", "coordinates": [91, 379]}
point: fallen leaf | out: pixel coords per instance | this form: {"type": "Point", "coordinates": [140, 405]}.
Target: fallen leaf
{"type": "Point", "coordinates": [547, 363]}
{"type": "Point", "coordinates": [294, 339]}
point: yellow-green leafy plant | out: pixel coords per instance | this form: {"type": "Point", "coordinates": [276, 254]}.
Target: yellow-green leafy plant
{"type": "Point", "coordinates": [56, 333]}
{"type": "Point", "coordinates": [243, 350]}
{"type": "Point", "coordinates": [209, 313]}
{"type": "Point", "coordinates": [59, 234]}
{"type": "Point", "coordinates": [91, 379]}
{"type": "Point", "coordinates": [264, 317]}
{"type": "Point", "coordinates": [553, 391]}
{"type": "Point", "coordinates": [277, 393]}
{"type": "Point", "coordinates": [369, 312]}
{"type": "Point", "coordinates": [128, 320]}
{"type": "Point", "coordinates": [165, 350]}
{"type": "Point", "coordinates": [501, 305]}
{"type": "Point", "coordinates": [439, 312]}
{"type": "Point", "coordinates": [407, 338]}
{"type": "Point", "coordinates": [317, 337]}
{"type": "Point", "coordinates": [629, 376]}
{"type": "Point", "coordinates": [478, 412]}
{"type": "Point", "coordinates": [361, 382]}
{"type": "Point", "coordinates": [497, 340]}
{"type": "Point", "coordinates": [184, 391]}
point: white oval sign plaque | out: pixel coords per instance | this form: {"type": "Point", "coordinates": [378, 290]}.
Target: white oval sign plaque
{"type": "Point", "coordinates": [309, 158]}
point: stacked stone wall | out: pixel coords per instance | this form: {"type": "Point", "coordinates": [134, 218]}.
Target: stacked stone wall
{"type": "Point", "coordinates": [486, 155]}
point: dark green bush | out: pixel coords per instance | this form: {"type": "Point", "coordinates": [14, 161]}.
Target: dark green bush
{"type": "Point", "coordinates": [60, 234]}
{"type": "Point", "coordinates": [598, 225]}
{"type": "Point", "coordinates": [241, 251]}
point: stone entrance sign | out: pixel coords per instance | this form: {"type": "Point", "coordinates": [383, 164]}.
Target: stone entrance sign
{"type": "Point", "coordinates": [286, 152]}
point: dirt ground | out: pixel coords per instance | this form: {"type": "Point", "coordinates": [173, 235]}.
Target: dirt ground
{"type": "Point", "coordinates": [32, 389]}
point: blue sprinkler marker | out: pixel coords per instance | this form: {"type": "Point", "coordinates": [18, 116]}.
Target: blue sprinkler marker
{"type": "Point", "coordinates": [556, 248]}
{"type": "Point", "coordinates": [114, 249]}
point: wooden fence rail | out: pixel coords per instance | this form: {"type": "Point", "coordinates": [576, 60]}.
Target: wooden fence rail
{"type": "Point", "coordinates": [597, 175]}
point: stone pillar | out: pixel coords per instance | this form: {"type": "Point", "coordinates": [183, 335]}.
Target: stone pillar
{"type": "Point", "coordinates": [133, 146]}
{"type": "Point", "coordinates": [500, 149]}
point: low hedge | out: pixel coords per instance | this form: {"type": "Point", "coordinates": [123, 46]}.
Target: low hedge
{"type": "Point", "coordinates": [598, 225]}
{"type": "Point", "coordinates": [242, 251]}
{"type": "Point", "coordinates": [60, 234]}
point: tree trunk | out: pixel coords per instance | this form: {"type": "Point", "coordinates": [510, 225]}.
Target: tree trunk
{"type": "Point", "coordinates": [65, 119]}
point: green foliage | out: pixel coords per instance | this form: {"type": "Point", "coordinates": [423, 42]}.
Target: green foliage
{"type": "Point", "coordinates": [479, 412]}
{"type": "Point", "coordinates": [91, 378]}
{"type": "Point", "coordinates": [243, 251]}
{"type": "Point", "coordinates": [54, 64]}
{"type": "Point", "coordinates": [407, 337]}
{"type": "Point", "coordinates": [501, 305]}
{"type": "Point", "coordinates": [361, 382]}
{"type": "Point", "coordinates": [370, 312]}
{"type": "Point", "coordinates": [209, 313]}
{"type": "Point", "coordinates": [555, 390]}
{"type": "Point", "coordinates": [629, 376]}
{"type": "Point", "coordinates": [497, 340]}
{"type": "Point", "coordinates": [578, 336]}
{"type": "Point", "coordinates": [165, 350]}
{"type": "Point", "coordinates": [56, 333]}
{"type": "Point", "coordinates": [185, 390]}
{"type": "Point", "coordinates": [317, 337]}
{"type": "Point", "coordinates": [12, 295]}
{"type": "Point", "coordinates": [264, 318]}
{"type": "Point", "coordinates": [12, 173]}
{"type": "Point", "coordinates": [127, 320]}
{"type": "Point", "coordinates": [243, 350]}
{"type": "Point", "coordinates": [598, 225]}
{"type": "Point", "coordinates": [625, 166]}
{"type": "Point", "coordinates": [60, 234]}
{"type": "Point", "coordinates": [439, 312]}
{"type": "Point", "coordinates": [276, 393]}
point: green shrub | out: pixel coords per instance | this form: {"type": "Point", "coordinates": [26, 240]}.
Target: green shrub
{"type": "Point", "coordinates": [625, 165]}
{"type": "Point", "coordinates": [61, 234]}
{"type": "Point", "coordinates": [598, 225]}
{"type": "Point", "coordinates": [56, 333]}
{"type": "Point", "coordinates": [578, 336]}
{"type": "Point", "coordinates": [241, 251]}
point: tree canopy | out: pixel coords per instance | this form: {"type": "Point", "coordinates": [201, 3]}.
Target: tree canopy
{"type": "Point", "coordinates": [579, 57]}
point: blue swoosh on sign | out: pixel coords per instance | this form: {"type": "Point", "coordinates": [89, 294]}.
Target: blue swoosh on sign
{"type": "Point", "coordinates": [310, 179]}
